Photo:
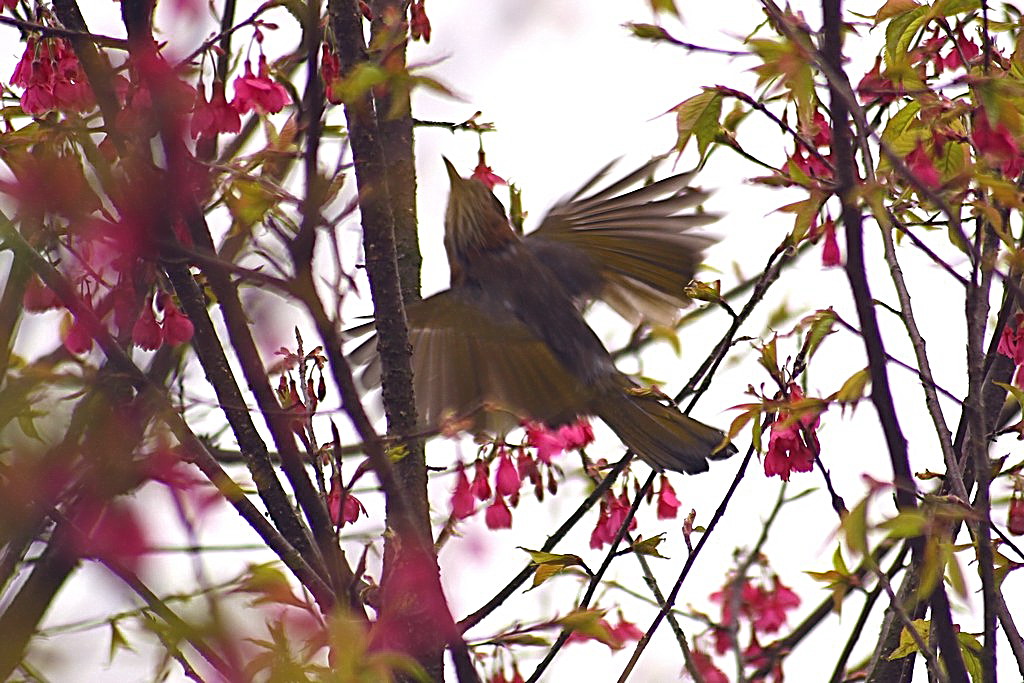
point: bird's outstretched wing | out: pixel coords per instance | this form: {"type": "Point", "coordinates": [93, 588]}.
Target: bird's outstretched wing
{"type": "Point", "coordinates": [634, 249]}
{"type": "Point", "coordinates": [481, 365]}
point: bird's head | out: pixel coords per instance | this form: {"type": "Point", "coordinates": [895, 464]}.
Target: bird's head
{"type": "Point", "coordinates": [475, 220]}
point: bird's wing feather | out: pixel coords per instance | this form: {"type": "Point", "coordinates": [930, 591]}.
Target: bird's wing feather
{"type": "Point", "coordinates": [631, 248]}
{"type": "Point", "coordinates": [477, 364]}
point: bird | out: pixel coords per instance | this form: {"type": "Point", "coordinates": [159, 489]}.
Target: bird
{"type": "Point", "coordinates": [508, 343]}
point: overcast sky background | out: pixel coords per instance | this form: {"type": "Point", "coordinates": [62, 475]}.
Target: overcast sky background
{"type": "Point", "coordinates": [569, 89]}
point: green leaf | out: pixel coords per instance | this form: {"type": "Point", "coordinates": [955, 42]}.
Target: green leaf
{"type": "Point", "coordinates": [543, 572]}
{"type": "Point", "coordinates": [947, 8]}
{"type": "Point", "coordinates": [855, 528]}
{"type": "Point", "coordinates": [698, 116]}
{"type": "Point", "coordinates": [956, 576]}
{"type": "Point", "coordinates": [117, 641]}
{"type": "Point", "coordinates": [648, 31]}
{"type": "Point", "coordinates": [664, 7]}
{"type": "Point", "coordinates": [588, 622]}
{"type": "Point", "coordinates": [539, 557]}
{"type": "Point", "coordinates": [528, 639]}
{"type": "Point", "coordinates": [838, 562]}
{"type": "Point", "coordinates": [248, 202]}
{"type": "Point", "coordinates": [550, 564]}
{"type": "Point", "coordinates": [852, 390]}
{"type": "Point", "coordinates": [769, 357]}
{"type": "Point", "coordinates": [649, 546]}
{"type": "Point", "coordinates": [900, 122]}
{"type": "Point", "coordinates": [26, 421]}
{"type": "Point", "coordinates": [805, 211]}
{"type": "Point", "coordinates": [907, 645]}
{"type": "Point", "coordinates": [667, 334]}
{"type": "Point", "coordinates": [893, 8]}
{"type": "Point", "coordinates": [743, 418]}
{"type": "Point", "coordinates": [704, 291]}
{"type": "Point", "coordinates": [900, 33]}
{"type": "Point", "coordinates": [820, 326]}
{"type": "Point", "coordinates": [907, 524]}
{"type": "Point", "coordinates": [838, 580]}
{"type": "Point", "coordinates": [971, 648]}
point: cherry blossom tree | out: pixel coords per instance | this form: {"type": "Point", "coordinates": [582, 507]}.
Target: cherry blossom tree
{"type": "Point", "coordinates": [151, 193]}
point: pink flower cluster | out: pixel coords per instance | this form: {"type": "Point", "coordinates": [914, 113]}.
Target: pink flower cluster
{"type": "Point", "coordinates": [819, 135]}
{"type": "Point", "coordinates": [175, 328]}
{"type": "Point", "coordinates": [1015, 515]}
{"type": "Point", "coordinates": [764, 608]}
{"type": "Point", "coordinates": [506, 485]}
{"type": "Point", "coordinates": [551, 442]}
{"type": "Point", "coordinates": [787, 449]}
{"type": "Point", "coordinates": [614, 510]}
{"type": "Point", "coordinates": [610, 518]}
{"type": "Point", "coordinates": [622, 633]}
{"type": "Point", "coordinates": [997, 146]}
{"type": "Point", "coordinates": [253, 91]}
{"type": "Point", "coordinates": [419, 23]}
{"type": "Point", "coordinates": [1011, 345]}
{"type": "Point", "coordinates": [929, 53]}
{"type": "Point", "coordinates": [52, 78]}
{"type": "Point", "coordinates": [920, 163]}
{"type": "Point", "coordinates": [541, 445]}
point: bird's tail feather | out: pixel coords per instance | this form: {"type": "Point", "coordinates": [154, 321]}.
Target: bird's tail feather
{"type": "Point", "coordinates": [660, 434]}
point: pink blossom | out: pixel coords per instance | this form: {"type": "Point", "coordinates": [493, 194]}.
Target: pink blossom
{"type": "Point", "coordinates": [874, 88]}
{"type": "Point", "coordinates": [576, 435]}
{"type": "Point", "coordinates": [598, 537]}
{"type": "Point", "coordinates": [707, 669]}
{"type": "Point", "coordinates": [626, 631]}
{"type": "Point", "coordinates": [342, 506]}
{"type": "Point", "coordinates": [830, 257]}
{"type": "Point", "coordinates": [923, 168]}
{"type": "Point", "coordinates": [722, 640]}
{"type": "Point", "coordinates": [77, 339]}
{"type": "Point", "coordinates": [147, 333]}
{"type": "Point", "coordinates": [38, 99]}
{"type": "Point", "coordinates": [498, 516]}
{"type": "Point", "coordinates": [996, 146]}
{"type": "Point", "coordinates": [1011, 341]}
{"type": "Point", "coordinates": [771, 607]}
{"type": "Point", "coordinates": [613, 513]}
{"type": "Point", "coordinates": [506, 480]}
{"type": "Point", "coordinates": [215, 116]}
{"type": "Point", "coordinates": [1015, 515]}
{"type": "Point", "coordinates": [109, 531]}
{"type": "Point", "coordinates": [485, 175]}
{"type": "Point", "coordinates": [38, 297]}
{"type": "Point", "coordinates": [546, 442]}
{"type": "Point", "coordinates": [668, 504]}
{"type": "Point", "coordinates": [809, 164]}
{"type": "Point", "coordinates": [261, 92]}
{"type": "Point", "coordinates": [462, 497]}
{"type": "Point", "coordinates": [821, 132]}
{"type": "Point", "coordinates": [419, 23]}
{"type": "Point", "coordinates": [787, 449]}
{"type": "Point", "coordinates": [481, 487]}
{"type": "Point", "coordinates": [330, 74]}
{"type": "Point", "coordinates": [787, 452]}
{"type": "Point", "coordinates": [967, 47]}
{"type": "Point", "coordinates": [177, 328]}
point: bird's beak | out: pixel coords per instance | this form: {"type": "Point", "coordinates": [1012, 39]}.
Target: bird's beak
{"type": "Point", "coordinates": [453, 175]}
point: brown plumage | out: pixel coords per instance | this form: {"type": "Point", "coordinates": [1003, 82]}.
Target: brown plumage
{"type": "Point", "coordinates": [508, 340]}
